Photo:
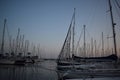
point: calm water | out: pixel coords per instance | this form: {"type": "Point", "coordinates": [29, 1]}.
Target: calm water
{"type": "Point", "coordinates": [42, 71]}
{"type": "Point", "coordinates": [45, 70]}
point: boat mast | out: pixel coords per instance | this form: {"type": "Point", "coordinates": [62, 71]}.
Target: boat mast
{"type": "Point", "coordinates": [3, 36]}
{"type": "Point", "coordinates": [102, 45]}
{"type": "Point", "coordinates": [73, 33]}
{"type": "Point", "coordinates": [113, 28]}
{"type": "Point", "coordinates": [92, 47]}
{"type": "Point", "coordinates": [84, 42]}
{"type": "Point", "coordinates": [95, 48]}
{"type": "Point", "coordinates": [68, 45]}
{"type": "Point", "coordinates": [27, 46]}
{"type": "Point", "coordinates": [107, 44]}
{"type": "Point", "coordinates": [17, 38]}
{"type": "Point", "coordinates": [22, 44]}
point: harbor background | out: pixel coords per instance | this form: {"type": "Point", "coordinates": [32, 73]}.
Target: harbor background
{"type": "Point", "coordinates": [33, 32]}
{"type": "Point", "coordinates": [46, 23]}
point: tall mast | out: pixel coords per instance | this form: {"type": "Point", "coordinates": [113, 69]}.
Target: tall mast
{"type": "Point", "coordinates": [108, 44]}
{"type": "Point", "coordinates": [38, 47]}
{"type": "Point", "coordinates": [73, 33]}
{"type": "Point", "coordinates": [102, 45]}
{"type": "Point", "coordinates": [68, 45]}
{"type": "Point", "coordinates": [2, 46]}
{"type": "Point", "coordinates": [22, 44]}
{"type": "Point", "coordinates": [113, 28]}
{"type": "Point", "coordinates": [95, 48]}
{"type": "Point", "coordinates": [91, 46]}
{"type": "Point", "coordinates": [16, 50]}
{"type": "Point", "coordinates": [27, 46]}
{"type": "Point", "coordinates": [13, 45]}
{"type": "Point", "coordinates": [84, 42]}
{"type": "Point", "coordinates": [10, 43]}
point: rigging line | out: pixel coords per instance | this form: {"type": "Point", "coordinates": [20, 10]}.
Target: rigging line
{"type": "Point", "coordinates": [118, 12]}
{"type": "Point", "coordinates": [69, 30]}
{"type": "Point", "coordinates": [92, 14]}
{"type": "Point", "coordinates": [118, 29]}
{"type": "Point", "coordinates": [118, 15]}
{"type": "Point", "coordinates": [100, 40]}
{"type": "Point", "coordinates": [117, 3]}
{"type": "Point", "coordinates": [79, 40]}
{"type": "Point", "coordinates": [88, 32]}
{"type": "Point", "coordinates": [9, 37]}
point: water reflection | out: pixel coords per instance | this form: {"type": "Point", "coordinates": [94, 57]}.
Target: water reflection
{"type": "Point", "coordinates": [29, 72]}
{"type": "Point", "coordinates": [45, 70]}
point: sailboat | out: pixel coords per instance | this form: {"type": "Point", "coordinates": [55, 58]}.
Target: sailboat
{"type": "Point", "coordinates": [98, 72]}
{"type": "Point", "coordinates": [65, 60]}
{"type": "Point", "coordinates": [109, 58]}
{"type": "Point", "coordinates": [6, 60]}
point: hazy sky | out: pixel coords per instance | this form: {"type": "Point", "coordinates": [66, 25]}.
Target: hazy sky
{"type": "Point", "coordinates": [47, 21]}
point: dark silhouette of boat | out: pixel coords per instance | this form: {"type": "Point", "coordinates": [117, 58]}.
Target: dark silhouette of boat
{"type": "Point", "coordinates": [111, 57]}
